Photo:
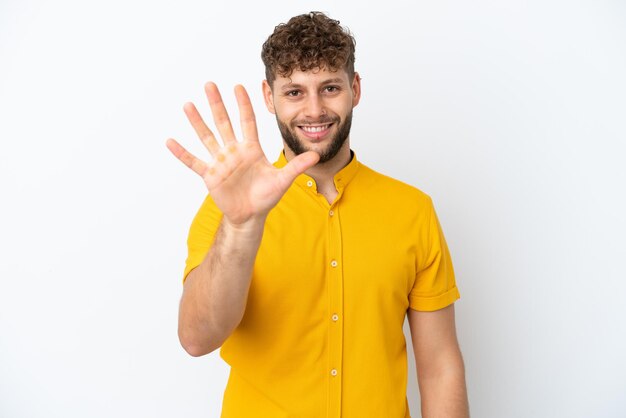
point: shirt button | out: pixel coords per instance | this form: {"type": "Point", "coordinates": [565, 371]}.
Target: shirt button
{"type": "Point", "coordinates": [333, 263]}
{"type": "Point", "coordinates": [309, 183]}
{"type": "Point", "coordinates": [331, 213]}
{"type": "Point", "coordinates": [333, 372]}
{"type": "Point", "coordinates": [335, 317]}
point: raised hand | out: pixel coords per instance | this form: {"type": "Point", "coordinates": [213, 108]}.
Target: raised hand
{"type": "Point", "coordinates": [243, 183]}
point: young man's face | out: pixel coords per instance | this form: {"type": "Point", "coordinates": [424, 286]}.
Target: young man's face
{"type": "Point", "coordinates": [314, 109]}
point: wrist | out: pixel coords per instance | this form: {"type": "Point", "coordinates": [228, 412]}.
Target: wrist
{"type": "Point", "coordinates": [252, 226]}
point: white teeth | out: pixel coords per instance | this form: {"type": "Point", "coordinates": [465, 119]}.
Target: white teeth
{"type": "Point", "coordinates": [315, 128]}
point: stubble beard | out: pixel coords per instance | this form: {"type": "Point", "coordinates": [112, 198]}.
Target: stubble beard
{"type": "Point", "coordinates": [336, 142]}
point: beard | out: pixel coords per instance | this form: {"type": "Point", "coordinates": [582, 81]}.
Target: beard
{"type": "Point", "coordinates": [336, 142]}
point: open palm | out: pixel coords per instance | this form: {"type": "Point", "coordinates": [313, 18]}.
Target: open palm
{"type": "Point", "coordinates": [241, 180]}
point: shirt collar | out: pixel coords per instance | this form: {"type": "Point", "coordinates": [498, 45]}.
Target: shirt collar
{"type": "Point", "coordinates": [341, 179]}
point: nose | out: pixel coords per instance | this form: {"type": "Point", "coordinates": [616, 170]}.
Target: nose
{"type": "Point", "coordinates": [314, 107]}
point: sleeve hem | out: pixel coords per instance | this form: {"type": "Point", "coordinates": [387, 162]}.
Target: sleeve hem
{"type": "Point", "coordinates": [434, 303]}
{"type": "Point", "coordinates": [189, 268]}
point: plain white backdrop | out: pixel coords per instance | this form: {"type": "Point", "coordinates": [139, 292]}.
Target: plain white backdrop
{"type": "Point", "coordinates": [510, 114]}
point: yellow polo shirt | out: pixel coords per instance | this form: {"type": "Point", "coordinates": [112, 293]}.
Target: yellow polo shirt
{"type": "Point", "coordinates": [322, 333]}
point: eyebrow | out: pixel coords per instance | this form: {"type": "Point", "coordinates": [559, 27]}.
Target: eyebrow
{"type": "Point", "coordinates": [323, 83]}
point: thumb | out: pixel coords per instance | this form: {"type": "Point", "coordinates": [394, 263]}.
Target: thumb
{"type": "Point", "coordinates": [299, 165]}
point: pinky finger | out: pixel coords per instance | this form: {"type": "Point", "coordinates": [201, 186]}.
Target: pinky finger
{"type": "Point", "coordinates": [198, 166]}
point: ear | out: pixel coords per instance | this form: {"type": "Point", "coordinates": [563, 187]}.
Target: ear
{"type": "Point", "coordinates": [356, 89]}
{"type": "Point", "coordinates": [268, 96]}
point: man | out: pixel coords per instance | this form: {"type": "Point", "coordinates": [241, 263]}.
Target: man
{"type": "Point", "coordinates": [303, 271]}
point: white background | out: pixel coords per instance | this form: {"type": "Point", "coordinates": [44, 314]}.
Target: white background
{"type": "Point", "coordinates": [509, 114]}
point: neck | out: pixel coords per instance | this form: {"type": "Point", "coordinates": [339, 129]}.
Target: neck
{"type": "Point", "coordinates": [324, 173]}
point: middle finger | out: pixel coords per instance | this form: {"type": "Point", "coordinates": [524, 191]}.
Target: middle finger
{"type": "Point", "coordinates": [220, 116]}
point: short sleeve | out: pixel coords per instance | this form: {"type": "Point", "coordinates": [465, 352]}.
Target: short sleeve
{"type": "Point", "coordinates": [435, 285]}
{"type": "Point", "coordinates": [201, 234]}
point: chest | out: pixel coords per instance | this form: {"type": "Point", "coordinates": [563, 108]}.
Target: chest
{"type": "Point", "coordinates": [315, 257]}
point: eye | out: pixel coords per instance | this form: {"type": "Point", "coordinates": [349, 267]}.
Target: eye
{"type": "Point", "coordinates": [292, 93]}
{"type": "Point", "coordinates": [331, 89]}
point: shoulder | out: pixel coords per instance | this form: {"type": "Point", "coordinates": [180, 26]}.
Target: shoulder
{"type": "Point", "coordinates": [393, 191]}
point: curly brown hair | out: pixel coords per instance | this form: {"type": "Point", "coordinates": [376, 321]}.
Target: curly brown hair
{"type": "Point", "coordinates": [307, 42]}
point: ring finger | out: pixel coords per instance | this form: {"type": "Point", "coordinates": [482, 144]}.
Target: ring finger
{"type": "Point", "coordinates": [203, 131]}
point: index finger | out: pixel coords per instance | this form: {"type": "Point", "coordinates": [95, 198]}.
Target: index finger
{"type": "Point", "coordinates": [246, 114]}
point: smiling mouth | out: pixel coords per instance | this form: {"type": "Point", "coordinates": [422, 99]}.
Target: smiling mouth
{"type": "Point", "coordinates": [315, 129]}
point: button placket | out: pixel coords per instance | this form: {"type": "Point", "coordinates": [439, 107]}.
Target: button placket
{"type": "Point", "coordinates": [335, 292]}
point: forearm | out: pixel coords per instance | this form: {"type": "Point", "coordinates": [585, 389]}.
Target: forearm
{"type": "Point", "coordinates": [443, 391]}
{"type": "Point", "coordinates": [215, 293]}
